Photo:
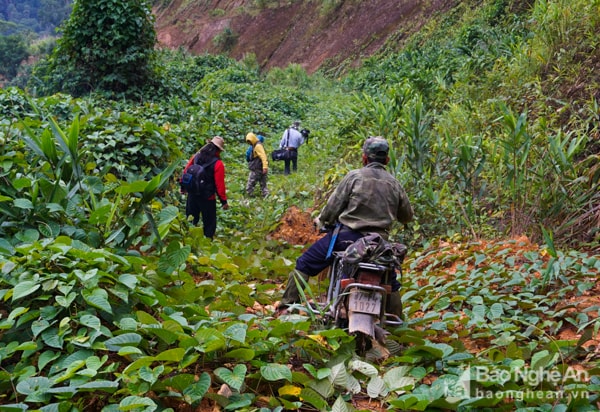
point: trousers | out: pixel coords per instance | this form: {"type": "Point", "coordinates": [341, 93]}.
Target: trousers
{"type": "Point", "coordinates": [196, 206]}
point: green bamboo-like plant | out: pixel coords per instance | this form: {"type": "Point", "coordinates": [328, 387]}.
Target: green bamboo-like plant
{"type": "Point", "coordinates": [415, 135]}
{"type": "Point", "coordinates": [66, 163]}
{"type": "Point", "coordinates": [515, 148]}
{"type": "Point", "coordinates": [141, 207]}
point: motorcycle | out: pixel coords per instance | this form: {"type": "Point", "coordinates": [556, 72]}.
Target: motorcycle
{"type": "Point", "coordinates": [360, 283]}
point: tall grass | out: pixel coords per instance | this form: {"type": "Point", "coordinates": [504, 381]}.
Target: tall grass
{"type": "Point", "coordinates": [493, 134]}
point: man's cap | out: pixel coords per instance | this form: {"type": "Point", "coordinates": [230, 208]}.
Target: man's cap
{"type": "Point", "coordinates": [376, 147]}
{"type": "Point", "coordinates": [296, 123]}
{"type": "Point", "coordinates": [219, 142]}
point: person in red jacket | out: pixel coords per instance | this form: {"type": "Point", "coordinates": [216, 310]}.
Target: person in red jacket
{"type": "Point", "coordinates": [198, 204]}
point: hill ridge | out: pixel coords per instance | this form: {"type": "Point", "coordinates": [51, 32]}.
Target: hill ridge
{"type": "Point", "coordinates": [305, 33]}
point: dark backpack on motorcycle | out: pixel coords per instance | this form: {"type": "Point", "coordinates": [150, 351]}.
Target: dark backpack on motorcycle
{"type": "Point", "coordinates": [373, 248]}
{"type": "Point", "coordinates": [196, 180]}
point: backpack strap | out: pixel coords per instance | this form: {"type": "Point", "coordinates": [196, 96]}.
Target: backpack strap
{"type": "Point", "coordinates": [197, 157]}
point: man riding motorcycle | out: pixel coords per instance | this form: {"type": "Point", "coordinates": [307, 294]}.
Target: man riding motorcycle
{"type": "Point", "coordinates": [367, 200]}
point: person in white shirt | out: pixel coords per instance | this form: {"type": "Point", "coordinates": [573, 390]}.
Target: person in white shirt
{"type": "Point", "coordinates": [291, 140]}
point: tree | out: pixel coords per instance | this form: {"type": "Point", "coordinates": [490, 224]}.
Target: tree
{"type": "Point", "coordinates": [13, 50]}
{"type": "Point", "coordinates": [106, 45]}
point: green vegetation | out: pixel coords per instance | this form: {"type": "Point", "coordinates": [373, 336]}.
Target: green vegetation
{"type": "Point", "coordinates": [111, 300]}
{"type": "Point", "coordinates": [38, 16]}
{"type": "Point", "coordinates": [225, 40]}
{"type": "Point", "coordinates": [13, 50]}
{"type": "Point", "coordinates": [106, 45]}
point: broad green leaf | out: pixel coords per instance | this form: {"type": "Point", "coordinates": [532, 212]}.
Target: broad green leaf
{"type": "Point", "coordinates": [36, 385]}
{"type": "Point", "coordinates": [165, 335]}
{"type": "Point", "coordinates": [363, 367]}
{"type": "Point", "coordinates": [376, 387]}
{"type": "Point", "coordinates": [137, 403]}
{"type": "Point", "coordinates": [128, 324]}
{"type": "Point", "coordinates": [313, 398]}
{"type": "Point", "coordinates": [128, 280]}
{"type": "Point", "coordinates": [178, 382]}
{"type": "Point", "coordinates": [340, 406]}
{"type": "Point", "coordinates": [52, 338]}
{"type": "Point", "coordinates": [540, 360]}
{"type": "Point", "coordinates": [241, 354]}
{"type": "Point", "coordinates": [38, 326]}
{"type": "Point", "coordinates": [24, 288]}
{"type": "Point", "coordinates": [319, 374]}
{"type": "Point", "coordinates": [94, 362]}
{"type": "Point", "coordinates": [26, 346]}
{"type": "Point", "coordinates": [90, 321]}
{"type": "Point", "coordinates": [171, 355]}
{"type": "Point", "coordinates": [496, 311]}
{"type": "Point", "coordinates": [146, 318]}
{"type": "Point", "coordinates": [23, 204]}
{"type": "Point", "coordinates": [138, 363]}
{"type": "Point", "coordinates": [16, 312]}
{"type": "Point", "coordinates": [353, 385]}
{"type": "Point", "coordinates": [150, 375]}
{"type": "Point", "coordinates": [238, 402]}
{"type": "Point", "coordinates": [236, 332]}
{"type": "Point", "coordinates": [106, 386]}
{"type": "Point", "coordinates": [235, 378]}
{"type": "Point", "coordinates": [97, 298]}
{"type": "Point", "coordinates": [49, 229]}
{"type": "Point", "coordinates": [196, 391]}
{"type": "Point", "coordinates": [339, 376]}
{"type": "Point", "coordinates": [99, 216]}
{"type": "Point", "coordinates": [45, 358]}
{"type": "Point", "coordinates": [275, 372]}
{"type": "Point", "coordinates": [417, 402]}
{"type": "Point", "coordinates": [65, 301]}
{"type": "Point", "coordinates": [135, 187]}
{"type": "Point", "coordinates": [129, 350]}
{"type": "Point", "coordinates": [323, 387]}
{"type": "Point", "coordinates": [70, 371]}
{"type": "Point", "coordinates": [126, 339]}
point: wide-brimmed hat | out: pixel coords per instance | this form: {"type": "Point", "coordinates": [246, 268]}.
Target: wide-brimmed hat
{"type": "Point", "coordinates": [219, 142]}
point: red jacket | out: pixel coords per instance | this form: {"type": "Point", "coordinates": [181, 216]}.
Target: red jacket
{"type": "Point", "coordinates": [219, 178]}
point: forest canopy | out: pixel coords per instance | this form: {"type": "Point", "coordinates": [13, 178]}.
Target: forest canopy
{"type": "Point", "coordinates": [39, 16]}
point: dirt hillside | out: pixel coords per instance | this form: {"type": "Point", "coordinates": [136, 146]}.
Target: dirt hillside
{"type": "Point", "coordinates": [308, 33]}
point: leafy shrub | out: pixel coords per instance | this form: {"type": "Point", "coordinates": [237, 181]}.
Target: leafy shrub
{"type": "Point", "coordinates": [225, 40]}
{"type": "Point", "coordinates": [98, 51]}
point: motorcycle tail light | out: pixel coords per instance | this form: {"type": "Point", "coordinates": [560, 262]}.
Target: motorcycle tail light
{"type": "Point", "coordinates": [370, 278]}
{"type": "Point", "coordinates": [345, 282]}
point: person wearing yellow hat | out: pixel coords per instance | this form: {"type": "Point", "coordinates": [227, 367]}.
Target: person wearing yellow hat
{"type": "Point", "coordinates": [205, 203]}
{"type": "Point", "coordinates": [258, 166]}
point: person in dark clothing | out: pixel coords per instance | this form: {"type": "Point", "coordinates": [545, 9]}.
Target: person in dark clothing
{"type": "Point", "coordinates": [367, 200]}
{"type": "Point", "coordinates": [198, 204]}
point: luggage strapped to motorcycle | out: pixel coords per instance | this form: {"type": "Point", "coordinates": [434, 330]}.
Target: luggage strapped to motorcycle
{"type": "Point", "coordinates": [373, 249]}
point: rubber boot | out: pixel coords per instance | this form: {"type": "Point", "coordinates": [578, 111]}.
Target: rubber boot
{"type": "Point", "coordinates": [394, 304]}
{"type": "Point", "coordinates": [292, 293]}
